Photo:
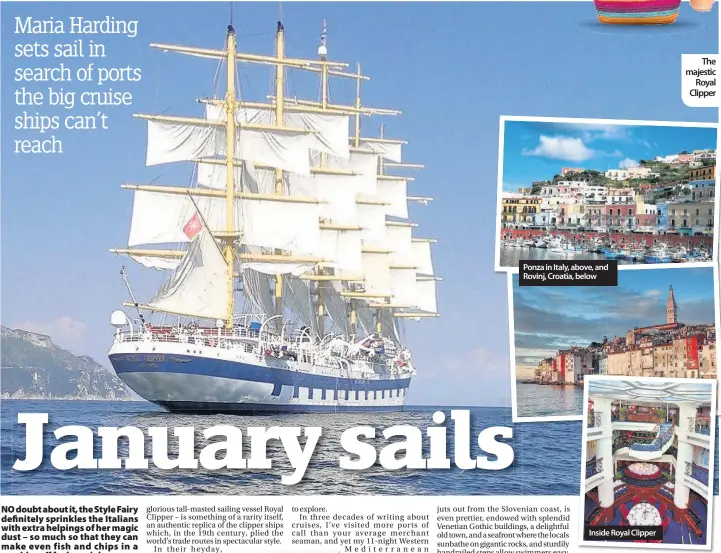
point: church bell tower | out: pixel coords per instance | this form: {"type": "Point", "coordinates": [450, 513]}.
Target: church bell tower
{"type": "Point", "coordinates": [671, 308]}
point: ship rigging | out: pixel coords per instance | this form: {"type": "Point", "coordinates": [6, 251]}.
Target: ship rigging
{"type": "Point", "coordinates": [301, 218]}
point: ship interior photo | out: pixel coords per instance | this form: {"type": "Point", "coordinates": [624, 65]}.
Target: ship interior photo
{"type": "Point", "coordinates": [648, 457]}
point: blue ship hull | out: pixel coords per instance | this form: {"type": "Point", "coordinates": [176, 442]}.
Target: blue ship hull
{"type": "Point", "coordinates": [200, 384]}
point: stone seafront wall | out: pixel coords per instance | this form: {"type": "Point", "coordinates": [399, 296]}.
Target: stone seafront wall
{"type": "Point", "coordinates": [631, 238]}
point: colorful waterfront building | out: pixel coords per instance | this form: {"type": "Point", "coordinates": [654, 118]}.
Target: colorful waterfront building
{"type": "Point", "coordinates": [707, 361]}
{"type": "Point", "coordinates": [518, 208]}
{"type": "Point", "coordinates": [542, 219]}
{"type": "Point", "coordinates": [630, 173]}
{"type": "Point", "coordinates": [575, 214]}
{"type": "Point", "coordinates": [704, 154]}
{"type": "Point", "coordinates": [697, 216]}
{"type": "Point", "coordinates": [702, 190]}
{"type": "Point", "coordinates": [686, 158]}
{"type": "Point", "coordinates": [645, 215]}
{"type": "Point", "coordinates": [595, 213]}
{"type": "Point", "coordinates": [670, 349]}
{"type": "Point", "coordinates": [702, 173]}
{"type": "Point", "coordinates": [620, 215]}
{"type": "Point", "coordinates": [661, 217]}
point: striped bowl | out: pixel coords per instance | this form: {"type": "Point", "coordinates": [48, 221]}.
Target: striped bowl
{"type": "Point", "coordinates": [637, 12]}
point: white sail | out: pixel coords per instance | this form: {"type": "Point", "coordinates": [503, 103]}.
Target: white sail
{"type": "Point", "coordinates": [391, 152]}
{"type": "Point", "coordinates": [211, 175]}
{"type": "Point", "coordinates": [336, 193]}
{"type": "Point", "coordinates": [343, 249]}
{"type": "Point", "coordinates": [426, 296]}
{"type": "Point", "coordinates": [400, 242]}
{"type": "Point", "coordinates": [403, 287]}
{"type": "Point", "coordinates": [363, 167]}
{"type": "Point", "coordinates": [171, 142]}
{"type": "Point", "coordinates": [160, 218]}
{"type": "Point", "coordinates": [329, 134]}
{"type": "Point", "coordinates": [293, 227]}
{"type": "Point", "coordinates": [376, 273]}
{"type": "Point", "coordinates": [422, 258]}
{"type": "Point", "coordinates": [331, 131]}
{"type": "Point", "coordinates": [285, 268]}
{"type": "Point", "coordinates": [257, 181]}
{"type": "Point", "coordinates": [338, 197]}
{"type": "Point", "coordinates": [395, 194]}
{"type": "Point", "coordinates": [358, 162]}
{"type": "Point", "coordinates": [372, 220]}
{"type": "Point", "coordinates": [198, 286]}
{"type": "Point", "coordinates": [158, 263]}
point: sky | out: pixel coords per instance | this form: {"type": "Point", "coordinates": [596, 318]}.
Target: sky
{"type": "Point", "coordinates": [547, 319]}
{"type": "Point", "coordinates": [535, 151]}
{"type": "Point", "coordinates": [452, 68]}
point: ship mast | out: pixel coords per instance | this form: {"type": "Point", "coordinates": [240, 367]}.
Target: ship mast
{"type": "Point", "coordinates": [158, 210]}
{"type": "Point", "coordinates": [279, 120]}
{"type": "Point", "coordinates": [323, 56]}
{"type": "Point", "coordinates": [379, 312]}
{"type": "Point", "coordinates": [230, 109]}
{"type": "Point", "coordinates": [356, 144]}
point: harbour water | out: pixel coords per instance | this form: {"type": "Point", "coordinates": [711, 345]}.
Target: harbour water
{"type": "Point", "coordinates": [511, 257]}
{"type": "Point", "coordinates": [537, 400]}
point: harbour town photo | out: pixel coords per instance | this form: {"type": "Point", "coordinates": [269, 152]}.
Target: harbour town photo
{"type": "Point", "coordinates": [655, 323]}
{"type": "Point", "coordinates": [648, 452]}
{"type": "Point", "coordinates": [571, 189]}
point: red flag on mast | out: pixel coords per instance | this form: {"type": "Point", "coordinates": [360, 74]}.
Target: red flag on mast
{"type": "Point", "coordinates": [193, 227]}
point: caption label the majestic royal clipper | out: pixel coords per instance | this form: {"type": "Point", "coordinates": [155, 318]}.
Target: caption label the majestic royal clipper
{"type": "Point", "coordinates": [698, 80]}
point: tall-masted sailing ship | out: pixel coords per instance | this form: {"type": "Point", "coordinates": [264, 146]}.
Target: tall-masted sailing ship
{"type": "Point", "coordinates": [291, 258]}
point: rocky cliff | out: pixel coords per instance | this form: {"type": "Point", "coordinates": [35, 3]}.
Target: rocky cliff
{"type": "Point", "coordinates": [34, 367]}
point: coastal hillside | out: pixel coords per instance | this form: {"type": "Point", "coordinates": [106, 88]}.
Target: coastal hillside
{"type": "Point", "coordinates": [661, 173]}
{"type": "Point", "coordinates": [34, 367]}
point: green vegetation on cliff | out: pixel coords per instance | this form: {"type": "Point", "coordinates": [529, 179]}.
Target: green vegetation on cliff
{"type": "Point", "coordinates": [34, 367]}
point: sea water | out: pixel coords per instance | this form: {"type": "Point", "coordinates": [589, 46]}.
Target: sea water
{"type": "Point", "coordinates": [547, 456]}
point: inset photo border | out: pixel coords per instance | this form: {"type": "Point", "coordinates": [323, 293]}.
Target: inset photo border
{"type": "Point", "coordinates": [640, 192]}
{"type": "Point", "coordinates": [648, 462]}
{"type": "Point", "coordinates": [658, 322]}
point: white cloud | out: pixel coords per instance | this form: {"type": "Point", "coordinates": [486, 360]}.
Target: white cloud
{"type": "Point", "coordinates": [595, 131]}
{"type": "Point", "coordinates": [524, 356]}
{"type": "Point", "coordinates": [561, 147]}
{"type": "Point", "coordinates": [627, 162]}
{"type": "Point", "coordinates": [65, 331]}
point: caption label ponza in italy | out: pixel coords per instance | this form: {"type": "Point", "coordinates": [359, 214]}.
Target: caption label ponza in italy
{"type": "Point", "coordinates": [79, 454]}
